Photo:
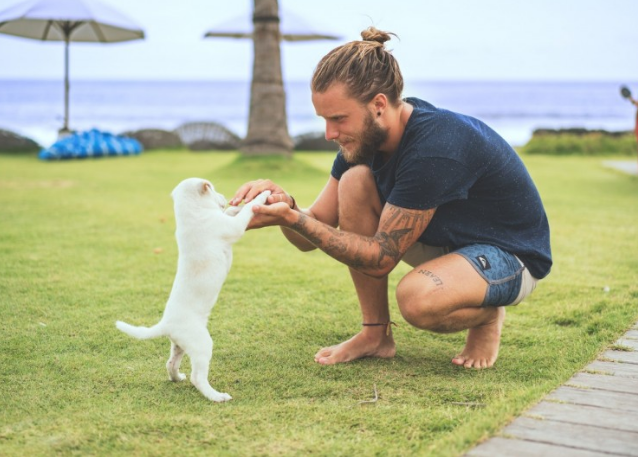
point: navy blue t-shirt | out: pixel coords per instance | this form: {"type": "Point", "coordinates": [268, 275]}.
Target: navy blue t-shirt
{"type": "Point", "coordinates": [480, 187]}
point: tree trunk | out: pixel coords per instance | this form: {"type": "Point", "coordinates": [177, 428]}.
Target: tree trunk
{"type": "Point", "coordinates": [267, 122]}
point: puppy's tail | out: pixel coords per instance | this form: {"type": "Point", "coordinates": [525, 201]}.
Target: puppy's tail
{"type": "Point", "coordinates": [142, 333]}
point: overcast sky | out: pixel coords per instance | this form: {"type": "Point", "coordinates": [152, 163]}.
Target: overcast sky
{"type": "Point", "coordinates": [572, 40]}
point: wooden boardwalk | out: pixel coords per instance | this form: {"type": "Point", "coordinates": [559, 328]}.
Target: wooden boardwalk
{"type": "Point", "coordinates": [594, 414]}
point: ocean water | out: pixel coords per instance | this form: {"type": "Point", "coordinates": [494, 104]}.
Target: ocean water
{"type": "Point", "coordinates": [35, 108]}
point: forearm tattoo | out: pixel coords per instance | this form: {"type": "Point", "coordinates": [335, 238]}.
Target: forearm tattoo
{"type": "Point", "coordinates": [398, 229]}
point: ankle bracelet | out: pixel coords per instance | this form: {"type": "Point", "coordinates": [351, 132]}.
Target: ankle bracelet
{"type": "Point", "coordinates": [379, 324]}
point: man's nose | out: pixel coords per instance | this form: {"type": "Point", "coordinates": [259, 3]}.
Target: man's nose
{"type": "Point", "coordinates": [331, 132]}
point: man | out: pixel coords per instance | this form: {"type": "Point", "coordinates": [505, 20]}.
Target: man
{"type": "Point", "coordinates": [412, 182]}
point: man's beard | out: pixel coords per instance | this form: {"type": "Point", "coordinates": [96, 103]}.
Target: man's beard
{"type": "Point", "coordinates": [370, 139]}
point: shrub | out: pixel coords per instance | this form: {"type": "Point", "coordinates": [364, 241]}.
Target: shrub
{"type": "Point", "coordinates": [581, 142]}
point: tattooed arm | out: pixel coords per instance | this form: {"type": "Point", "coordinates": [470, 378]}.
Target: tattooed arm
{"type": "Point", "coordinates": [316, 226]}
{"type": "Point", "coordinates": [324, 209]}
{"type": "Point", "coordinates": [376, 256]}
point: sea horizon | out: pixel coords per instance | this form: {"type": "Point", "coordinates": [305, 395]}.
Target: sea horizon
{"type": "Point", "coordinates": [34, 107]}
{"type": "Point", "coordinates": [247, 80]}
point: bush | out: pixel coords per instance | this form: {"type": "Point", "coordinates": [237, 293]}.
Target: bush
{"type": "Point", "coordinates": [581, 142]}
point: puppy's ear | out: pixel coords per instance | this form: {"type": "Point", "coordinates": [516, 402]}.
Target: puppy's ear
{"type": "Point", "coordinates": [205, 187]}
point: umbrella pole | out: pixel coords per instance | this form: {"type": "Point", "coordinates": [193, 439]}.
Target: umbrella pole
{"type": "Point", "coordinates": [65, 128]}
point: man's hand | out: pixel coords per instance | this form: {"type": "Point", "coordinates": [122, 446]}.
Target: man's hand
{"type": "Point", "coordinates": [278, 205]}
{"type": "Point", "coordinates": [278, 213]}
{"type": "Point", "coordinates": [251, 189]}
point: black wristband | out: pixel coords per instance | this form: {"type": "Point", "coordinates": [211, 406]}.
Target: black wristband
{"type": "Point", "coordinates": [294, 203]}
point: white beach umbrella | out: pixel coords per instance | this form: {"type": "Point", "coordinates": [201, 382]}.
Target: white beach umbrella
{"type": "Point", "coordinates": [292, 28]}
{"type": "Point", "coordinates": [68, 20]}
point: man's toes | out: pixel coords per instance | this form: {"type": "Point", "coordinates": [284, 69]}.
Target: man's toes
{"type": "Point", "coordinates": [324, 361]}
{"type": "Point", "coordinates": [458, 360]}
{"type": "Point", "coordinates": [325, 352]}
{"type": "Point", "coordinates": [329, 358]}
{"type": "Point", "coordinates": [478, 364]}
{"type": "Point", "coordinates": [470, 362]}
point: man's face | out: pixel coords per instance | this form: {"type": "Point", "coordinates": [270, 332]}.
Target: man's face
{"type": "Point", "coordinates": [349, 123]}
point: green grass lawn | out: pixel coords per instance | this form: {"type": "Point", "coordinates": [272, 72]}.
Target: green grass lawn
{"type": "Point", "coordinates": [84, 243]}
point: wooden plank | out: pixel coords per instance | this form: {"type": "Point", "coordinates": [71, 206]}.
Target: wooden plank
{"type": "Point", "coordinates": [601, 398]}
{"type": "Point", "coordinates": [504, 447]}
{"type": "Point", "coordinates": [628, 342]}
{"type": "Point", "coordinates": [614, 368]}
{"type": "Point", "coordinates": [605, 382]}
{"type": "Point", "coordinates": [576, 436]}
{"type": "Point", "coordinates": [586, 415]}
{"type": "Point", "coordinates": [621, 356]}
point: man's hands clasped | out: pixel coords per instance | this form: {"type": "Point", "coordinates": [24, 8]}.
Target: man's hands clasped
{"type": "Point", "coordinates": [278, 209]}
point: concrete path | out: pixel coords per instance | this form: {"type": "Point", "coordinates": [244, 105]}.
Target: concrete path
{"type": "Point", "coordinates": [594, 414]}
{"type": "Point", "coordinates": [629, 167]}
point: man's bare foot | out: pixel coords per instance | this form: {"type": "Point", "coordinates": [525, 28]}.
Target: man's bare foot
{"type": "Point", "coordinates": [370, 342]}
{"type": "Point", "coordinates": [481, 347]}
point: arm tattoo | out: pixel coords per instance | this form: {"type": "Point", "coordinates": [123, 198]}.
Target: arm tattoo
{"type": "Point", "coordinates": [416, 220]}
{"type": "Point", "coordinates": [398, 229]}
{"type": "Point", "coordinates": [390, 244]}
{"type": "Point", "coordinates": [301, 227]}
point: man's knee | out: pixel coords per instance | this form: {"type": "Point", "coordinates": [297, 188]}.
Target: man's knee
{"type": "Point", "coordinates": [359, 204]}
{"type": "Point", "coordinates": [357, 181]}
{"type": "Point", "coordinates": [416, 303]}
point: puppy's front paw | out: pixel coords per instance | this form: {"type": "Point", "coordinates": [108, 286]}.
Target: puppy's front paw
{"type": "Point", "coordinates": [261, 198]}
{"type": "Point", "coordinates": [232, 210]}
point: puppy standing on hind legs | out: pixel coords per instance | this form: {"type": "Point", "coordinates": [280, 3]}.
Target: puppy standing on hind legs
{"type": "Point", "coordinates": [205, 234]}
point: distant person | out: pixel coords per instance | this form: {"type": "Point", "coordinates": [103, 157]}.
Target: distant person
{"type": "Point", "coordinates": [413, 182]}
{"type": "Point", "coordinates": [626, 93]}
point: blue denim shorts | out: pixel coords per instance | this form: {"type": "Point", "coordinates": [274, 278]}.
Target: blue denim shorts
{"type": "Point", "coordinates": [502, 271]}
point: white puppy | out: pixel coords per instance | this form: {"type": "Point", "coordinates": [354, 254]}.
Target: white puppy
{"type": "Point", "coordinates": [205, 235]}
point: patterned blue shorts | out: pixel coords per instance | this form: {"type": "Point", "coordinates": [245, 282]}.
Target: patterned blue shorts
{"type": "Point", "coordinates": [502, 271]}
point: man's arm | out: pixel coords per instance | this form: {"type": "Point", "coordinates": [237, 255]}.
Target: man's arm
{"type": "Point", "coordinates": [325, 209]}
{"type": "Point", "coordinates": [376, 256]}
{"type": "Point", "coordinates": [399, 228]}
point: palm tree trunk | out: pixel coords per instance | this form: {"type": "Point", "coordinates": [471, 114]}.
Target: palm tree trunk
{"type": "Point", "coordinates": [267, 122]}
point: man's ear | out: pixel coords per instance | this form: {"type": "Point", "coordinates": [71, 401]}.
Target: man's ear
{"type": "Point", "coordinates": [379, 103]}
